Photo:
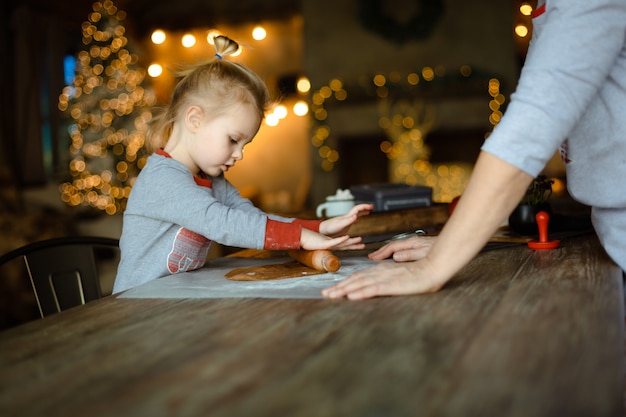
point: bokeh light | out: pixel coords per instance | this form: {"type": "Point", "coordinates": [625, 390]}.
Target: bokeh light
{"type": "Point", "coordinates": [158, 37]}
{"type": "Point", "coordinates": [259, 33]}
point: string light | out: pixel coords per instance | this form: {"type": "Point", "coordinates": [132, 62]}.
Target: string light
{"type": "Point", "coordinates": [521, 30]}
{"type": "Point", "coordinates": [188, 40]}
{"type": "Point", "coordinates": [301, 108]}
{"type": "Point", "coordinates": [158, 37]}
{"type": "Point", "coordinates": [211, 35]}
{"type": "Point", "coordinates": [303, 85]}
{"type": "Point", "coordinates": [154, 70]}
{"type": "Point", "coordinates": [523, 26]}
{"type": "Point", "coordinates": [280, 111]}
{"type": "Point", "coordinates": [525, 9]}
{"type": "Point", "coordinates": [259, 33]}
{"type": "Point", "coordinates": [272, 119]}
{"type": "Point", "coordinates": [496, 102]}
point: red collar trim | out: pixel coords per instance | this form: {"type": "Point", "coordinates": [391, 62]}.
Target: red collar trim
{"type": "Point", "coordinates": [203, 182]}
{"type": "Point", "coordinates": [538, 11]}
{"type": "Point", "coordinates": [161, 152]}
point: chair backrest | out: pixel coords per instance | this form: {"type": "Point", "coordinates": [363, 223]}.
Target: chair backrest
{"type": "Point", "coordinates": [62, 271]}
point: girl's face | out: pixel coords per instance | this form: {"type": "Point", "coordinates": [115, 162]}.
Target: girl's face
{"type": "Point", "coordinates": [218, 142]}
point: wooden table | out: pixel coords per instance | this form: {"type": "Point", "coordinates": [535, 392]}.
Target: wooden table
{"type": "Point", "coordinates": [517, 333]}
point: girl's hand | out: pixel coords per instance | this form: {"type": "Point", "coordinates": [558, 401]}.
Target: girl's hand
{"type": "Point", "coordinates": [310, 240]}
{"type": "Point", "coordinates": [340, 225]}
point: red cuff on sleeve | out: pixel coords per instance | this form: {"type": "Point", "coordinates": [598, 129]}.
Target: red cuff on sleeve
{"type": "Point", "coordinates": [309, 224]}
{"type": "Point", "coordinates": [282, 236]}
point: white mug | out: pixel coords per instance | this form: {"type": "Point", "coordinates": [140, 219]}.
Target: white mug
{"type": "Point", "coordinates": [333, 208]}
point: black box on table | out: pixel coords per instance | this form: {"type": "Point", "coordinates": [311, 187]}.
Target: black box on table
{"type": "Point", "coordinates": [393, 196]}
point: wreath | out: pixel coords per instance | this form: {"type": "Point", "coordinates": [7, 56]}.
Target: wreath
{"type": "Point", "coordinates": [419, 26]}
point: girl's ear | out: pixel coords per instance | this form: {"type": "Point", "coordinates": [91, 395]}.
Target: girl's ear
{"type": "Point", "coordinates": [193, 118]}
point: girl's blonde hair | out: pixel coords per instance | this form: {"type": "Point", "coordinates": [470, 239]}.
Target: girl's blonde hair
{"type": "Point", "coordinates": [215, 85]}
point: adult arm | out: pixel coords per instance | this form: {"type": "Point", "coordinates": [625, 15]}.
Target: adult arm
{"type": "Point", "coordinates": [491, 194]}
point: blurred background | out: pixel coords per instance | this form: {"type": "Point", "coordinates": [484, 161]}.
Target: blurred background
{"type": "Point", "coordinates": [367, 91]}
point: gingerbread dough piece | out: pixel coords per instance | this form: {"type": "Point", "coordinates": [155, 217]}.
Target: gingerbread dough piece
{"type": "Point", "coordinates": [290, 269]}
{"type": "Point", "coordinates": [307, 263]}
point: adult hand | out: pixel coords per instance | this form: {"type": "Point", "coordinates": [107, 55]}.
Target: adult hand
{"type": "Point", "coordinates": [340, 225]}
{"type": "Point", "coordinates": [405, 250]}
{"type": "Point", "coordinates": [388, 278]}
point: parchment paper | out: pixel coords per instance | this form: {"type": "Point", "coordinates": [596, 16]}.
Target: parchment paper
{"type": "Point", "coordinates": [209, 282]}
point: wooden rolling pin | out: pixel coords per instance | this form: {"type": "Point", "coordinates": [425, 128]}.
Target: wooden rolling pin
{"type": "Point", "coordinates": [320, 260]}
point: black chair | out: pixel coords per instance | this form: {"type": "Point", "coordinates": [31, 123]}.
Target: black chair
{"type": "Point", "coordinates": [63, 271]}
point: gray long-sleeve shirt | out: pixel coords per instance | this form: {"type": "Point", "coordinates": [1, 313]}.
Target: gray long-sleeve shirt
{"type": "Point", "coordinates": [571, 96]}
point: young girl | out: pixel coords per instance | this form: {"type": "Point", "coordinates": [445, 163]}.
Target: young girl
{"type": "Point", "coordinates": [181, 201]}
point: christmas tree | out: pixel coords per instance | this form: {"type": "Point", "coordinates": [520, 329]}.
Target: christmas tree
{"type": "Point", "coordinates": [109, 109]}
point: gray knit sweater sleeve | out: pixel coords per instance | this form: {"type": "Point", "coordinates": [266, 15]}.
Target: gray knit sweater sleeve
{"type": "Point", "coordinates": [571, 96]}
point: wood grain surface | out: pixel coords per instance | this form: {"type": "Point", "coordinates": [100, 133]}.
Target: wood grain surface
{"type": "Point", "coordinates": [378, 223]}
{"type": "Point", "coordinates": [516, 333]}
